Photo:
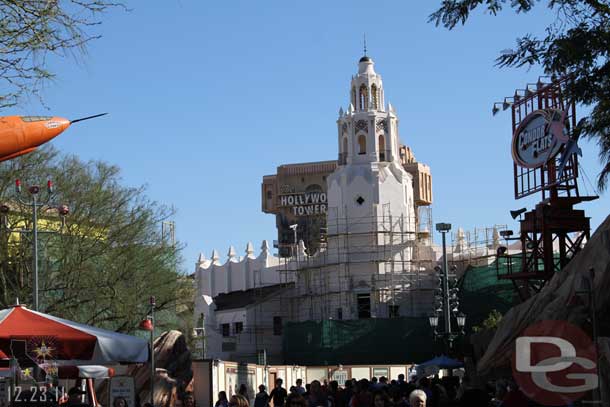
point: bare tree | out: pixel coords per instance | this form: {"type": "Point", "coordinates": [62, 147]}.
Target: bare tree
{"type": "Point", "coordinates": [32, 30]}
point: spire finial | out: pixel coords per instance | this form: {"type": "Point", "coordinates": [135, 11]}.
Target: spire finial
{"type": "Point", "coordinates": [364, 44]}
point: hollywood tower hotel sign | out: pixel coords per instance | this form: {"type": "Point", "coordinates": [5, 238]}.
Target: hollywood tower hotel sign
{"type": "Point", "coordinates": [305, 204]}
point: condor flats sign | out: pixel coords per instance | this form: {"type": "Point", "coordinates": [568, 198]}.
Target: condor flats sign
{"type": "Point", "coordinates": [539, 137]}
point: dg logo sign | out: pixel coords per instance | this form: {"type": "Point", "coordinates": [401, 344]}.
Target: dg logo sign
{"type": "Point", "coordinates": [555, 363]}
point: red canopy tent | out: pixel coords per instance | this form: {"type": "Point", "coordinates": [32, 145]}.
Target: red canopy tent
{"type": "Point", "coordinates": [42, 337]}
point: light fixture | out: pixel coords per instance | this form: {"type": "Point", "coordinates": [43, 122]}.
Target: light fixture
{"type": "Point", "coordinates": [495, 109]}
{"type": "Point", "coordinates": [438, 269]}
{"type": "Point", "coordinates": [461, 320]}
{"type": "Point", "coordinates": [517, 212]}
{"type": "Point", "coordinates": [443, 227]}
{"type": "Point", "coordinates": [501, 250]}
{"type": "Point", "coordinates": [507, 103]}
{"type": "Point", "coordinates": [433, 319]}
{"type": "Point", "coordinates": [146, 325]}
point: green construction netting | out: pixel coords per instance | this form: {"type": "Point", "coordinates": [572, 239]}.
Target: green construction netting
{"type": "Point", "coordinates": [396, 340]}
{"type": "Point", "coordinates": [363, 341]}
{"type": "Point", "coordinates": [481, 291]}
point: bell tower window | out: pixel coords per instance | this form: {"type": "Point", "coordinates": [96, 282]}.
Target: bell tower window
{"type": "Point", "coordinates": [343, 156]}
{"type": "Point", "coordinates": [354, 97]}
{"type": "Point", "coordinates": [364, 98]}
{"type": "Point", "coordinates": [375, 97]}
{"type": "Point", "coordinates": [382, 153]}
{"type": "Point", "coordinates": [361, 144]}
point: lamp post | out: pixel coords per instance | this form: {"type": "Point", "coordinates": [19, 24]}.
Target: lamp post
{"type": "Point", "coordinates": [35, 203]}
{"type": "Point", "coordinates": [295, 241]}
{"type": "Point", "coordinates": [148, 324]}
{"type": "Point", "coordinates": [444, 228]}
{"type": "Point", "coordinates": [448, 296]}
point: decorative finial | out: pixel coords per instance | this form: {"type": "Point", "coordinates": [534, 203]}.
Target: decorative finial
{"type": "Point", "coordinates": [364, 44]}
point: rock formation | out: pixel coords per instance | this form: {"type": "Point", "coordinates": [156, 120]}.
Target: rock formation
{"type": "Point", "coordinates": [562, 298]}
{"type": "Point", "coordinates": [173, 370]}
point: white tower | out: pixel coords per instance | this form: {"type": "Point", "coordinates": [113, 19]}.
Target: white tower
{"type": "Point", "coordinates": [369, 191]}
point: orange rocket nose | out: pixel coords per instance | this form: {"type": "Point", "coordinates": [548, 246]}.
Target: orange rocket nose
{"type": "Point", "coordinates": [55, 126]}
{"type": "Point", "coordinates": [49, 129]}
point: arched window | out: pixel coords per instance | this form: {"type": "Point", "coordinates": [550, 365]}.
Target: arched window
{"type": "Point", "coordinates": [354, 97]}
{"type": "Point", "coordinates": [313, 188]}
{"type": "Point", "coordinates": [375, 97]}
{"type": "Point", "coordinates": [364, 98]}
{"type": "Point", "coordinates": [382, 155]}
{"type": "Point", "coordinates": [344, 152]}
{"type": "Point", "coordinates": [361, 144]}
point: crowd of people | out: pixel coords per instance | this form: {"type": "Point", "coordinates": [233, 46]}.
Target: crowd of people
{"type": "Point", "coordinates": [379, 393]}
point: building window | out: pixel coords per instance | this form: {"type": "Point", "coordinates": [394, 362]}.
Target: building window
{"type": "Point", "coordinates": [375, 98]}
{"type": "Point", "coordinates": [361, 144]}
{"type": "Point", "coordinates": [238, 327]}
{"type": "Point", "coordinates": [363, 98]}
{"type": "Point", "coordinates": [269, 195]}
{"type": "Point", "coordinates": [364, 305]}
{"type": "Point", "coordinates": [226, 329]}
{"type": "Point", "coordinates": [381, 148]}
{"type": "Point", "coordinates": [394, 311]}
{"type": "Point", "coordinates": [354, 97]}
{"type": "Point", "coordinates": [339, 314]}
{"type": "Point", "coordinates": [277, 325]}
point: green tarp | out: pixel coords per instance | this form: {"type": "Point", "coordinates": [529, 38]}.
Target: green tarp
{"type": "Point", "coordinates": [363, 341]}
{"type": "Point", "coordinates": [481, 292]}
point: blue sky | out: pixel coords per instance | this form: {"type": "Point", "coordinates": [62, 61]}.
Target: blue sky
{"type": "Point", "coordinates": [207, 97]}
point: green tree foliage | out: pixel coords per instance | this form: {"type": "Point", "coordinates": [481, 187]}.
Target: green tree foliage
{"type": "Point", "coordinates": [491, 322]}
{"type": "Point", "coordinates": [577, 43]}
{"type": "Point", "coordinates": [100, 267]}
{"type": "Point", "coordinates": [32, 30]}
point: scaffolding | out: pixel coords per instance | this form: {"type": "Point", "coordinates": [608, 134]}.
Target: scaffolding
{"type": "Point", "coordinates": [386, 256]}
{"type": "Point", "coordinates": [387, 259]}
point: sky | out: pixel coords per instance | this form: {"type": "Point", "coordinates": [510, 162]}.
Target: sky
{"type": "Point", "coordinates": [205, 98]}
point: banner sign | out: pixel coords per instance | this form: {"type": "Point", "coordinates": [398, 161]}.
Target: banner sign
{"type": "Point", "coordinates": [539, 138]}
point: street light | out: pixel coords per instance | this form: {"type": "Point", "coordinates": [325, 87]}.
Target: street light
{"type": "Point", "coordinates": [148, 324]}
{"type": "Point", "coordinates": [295, 241]}
{"type": "Point", "coordinates": [461, 320]}
{"type": "Point", "coordinates": [433, 319]}
{"type": "Point", "coordinates": [36, 204]}
{"type": "Point", "coordinates": [444, 228]}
